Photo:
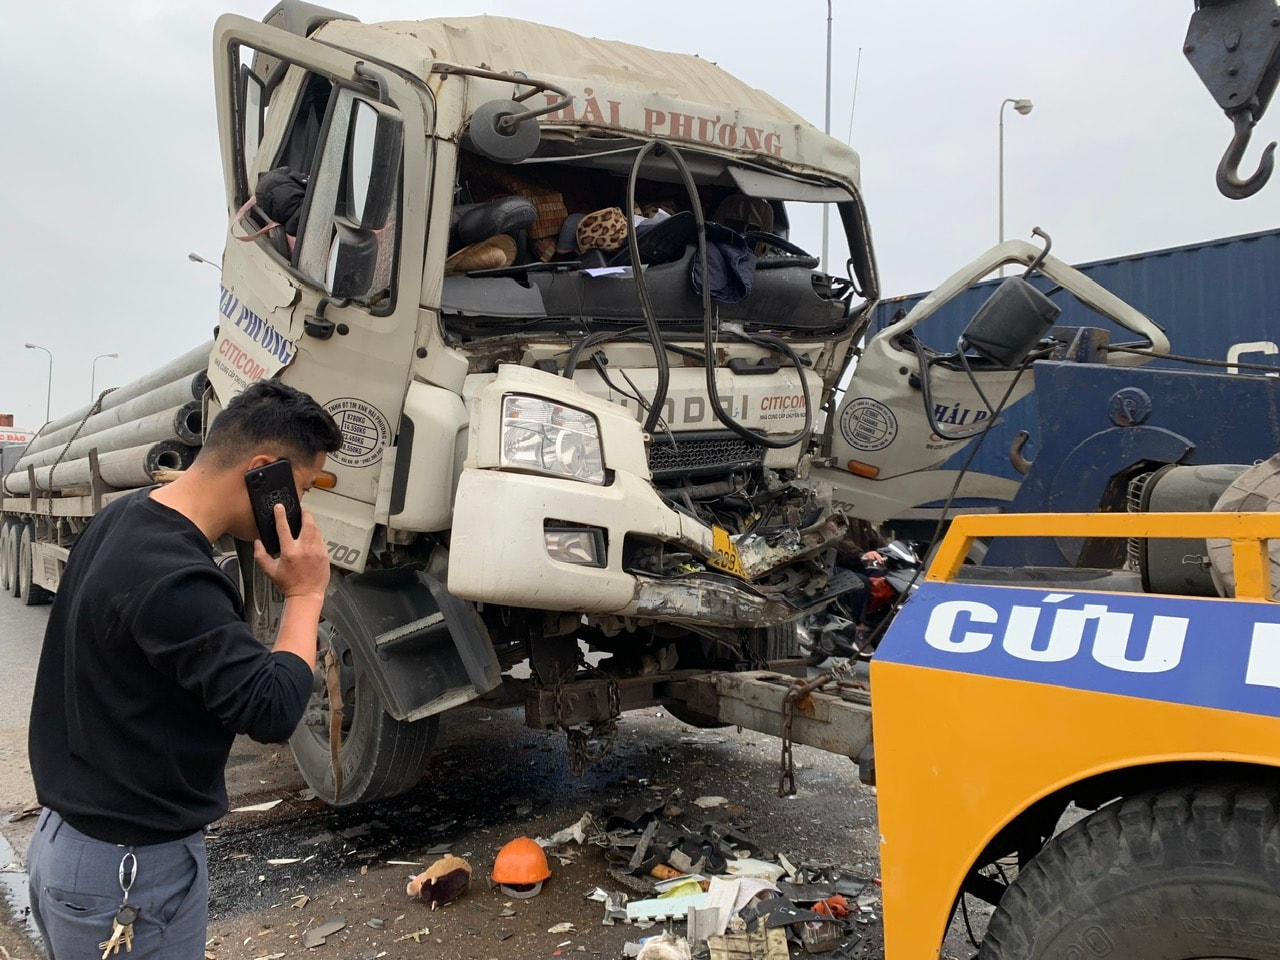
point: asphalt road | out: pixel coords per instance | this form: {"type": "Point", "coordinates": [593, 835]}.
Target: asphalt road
{"type": "Point", "coordinates": [489, 780]}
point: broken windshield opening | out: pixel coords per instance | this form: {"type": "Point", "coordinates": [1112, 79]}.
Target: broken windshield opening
{"type": "Point", "coordinates": [544, 244]}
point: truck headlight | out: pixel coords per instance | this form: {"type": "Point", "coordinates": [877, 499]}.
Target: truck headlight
{"type": "Point", "coordinates": [551, 438]}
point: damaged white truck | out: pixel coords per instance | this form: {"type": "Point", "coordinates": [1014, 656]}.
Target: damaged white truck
{"type": "Point", "coordinates": [545, 286]}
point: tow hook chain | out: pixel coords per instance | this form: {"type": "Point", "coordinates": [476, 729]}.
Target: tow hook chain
{"type": "Point", "coordinates": [797, 692]}
{"type": "Point", "coordinates": [747, 652]}
{"type": "Point", "coordinates": [579, 737]}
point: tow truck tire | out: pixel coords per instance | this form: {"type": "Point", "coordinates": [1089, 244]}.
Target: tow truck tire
{"type": "Point", "coordinates": [778, 642]}
{"type": "Point", "coordinates": [32, 594]}
{"type": "Point", "coordinates": [380, 755]}
{"type": "Point", "coordinates": [1166, 875]}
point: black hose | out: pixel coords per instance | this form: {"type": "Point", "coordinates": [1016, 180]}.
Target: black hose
{"type": "Point", "coordinates": [642, 288]}
{"type": "Point", "coordinates": [926, 393]}
{"type": "Point", "coordinates": [769, 342]}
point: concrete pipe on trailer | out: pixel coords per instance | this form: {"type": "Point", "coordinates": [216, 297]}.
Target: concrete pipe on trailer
{"type": "Point", "coordinates": [183, 423]}
{"type": "Point", "coordinates": [123, 469]}
{"type": "Point", "coordinates": [175, 394]}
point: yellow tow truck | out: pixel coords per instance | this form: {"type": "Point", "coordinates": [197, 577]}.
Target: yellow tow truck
{"type": "Point", "coordinates": [1003, 710]}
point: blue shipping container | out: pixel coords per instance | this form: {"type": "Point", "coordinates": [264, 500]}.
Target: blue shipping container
{"type": "Point", "coordinates": [1218, 300]}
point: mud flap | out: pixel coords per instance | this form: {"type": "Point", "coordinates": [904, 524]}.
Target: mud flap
{"type": "Point", "coordinates": [425, 650]}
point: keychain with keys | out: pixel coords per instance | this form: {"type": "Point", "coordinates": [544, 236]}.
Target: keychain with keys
{"type": "Point", "coordinates": [122, 925]}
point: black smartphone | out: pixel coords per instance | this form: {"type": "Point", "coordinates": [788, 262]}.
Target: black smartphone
{"type": "Point", "coordinates": [268, 485]}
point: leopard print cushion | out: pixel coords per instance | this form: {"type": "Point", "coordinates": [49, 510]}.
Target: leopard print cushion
{"type": "Point", "coordinates": [603, 230]}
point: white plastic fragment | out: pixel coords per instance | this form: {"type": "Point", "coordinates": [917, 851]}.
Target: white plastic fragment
{"type": "Point", "coordinates": [751, 867]}
{"type": "Point", "coordinates": [256, 807]}
{"type": "Point", "coordinates": [665, 908]}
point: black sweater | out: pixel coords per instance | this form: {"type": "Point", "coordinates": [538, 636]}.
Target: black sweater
{"type": "Point", "coordinates": [147, 673]}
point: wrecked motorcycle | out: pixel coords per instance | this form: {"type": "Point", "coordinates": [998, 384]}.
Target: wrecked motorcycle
{"type": "Point", "coordinates": [852, 624]}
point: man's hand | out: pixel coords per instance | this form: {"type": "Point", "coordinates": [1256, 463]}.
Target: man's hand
{"type": "Point", "coordinates": [302, 569]}
{"type": "Point", "coordinates": [871, 556]}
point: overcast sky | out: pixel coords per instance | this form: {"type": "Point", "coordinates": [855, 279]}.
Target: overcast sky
{"type": "Point", "coordinates": [110, 163]}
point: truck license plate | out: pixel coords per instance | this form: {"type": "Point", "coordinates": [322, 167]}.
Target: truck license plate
{"type": "Point", "coordinates": [724, 553]}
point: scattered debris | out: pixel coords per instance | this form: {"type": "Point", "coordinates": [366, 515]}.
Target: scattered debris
{"type": "Point", "coordinates": [30, 810]}
{"type": "Point", "coordinates": [283, 861]}
{"type": "Point", "coordinates": [751, 867]}
{"type": "Point", "coordinates": [300, 901]}
{"type": "Point", "coordinates": [257, 807]}
{"type": "Point", "coordinates": [317, 935]}
{"type": "Point", "coordinates": [416, 936]}
{"type": "Point", "coordinates": [665, 908]}
{"type": "Point", "coordinates": [759, 945]}
{"type": "Point", "coordinates": [710, 803]}
{"type": "Point", "coordinates": [565, 927]}
{"type": "Point", "coordinates": [664, 947]}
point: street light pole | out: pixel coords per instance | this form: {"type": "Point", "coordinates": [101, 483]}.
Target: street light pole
{"type": "Point", "coordinates": [93, 377]}
{"type": "Point", "coordinates": [826, 128]}
{"type": "Point", "coordinates": [48, 394]}
{"type": "Point", "coordinates": [1023, 107]}
{"type": "Point", "coordinates": [196, 258]}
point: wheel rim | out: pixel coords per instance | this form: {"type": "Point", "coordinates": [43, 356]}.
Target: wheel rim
{"type": "Point", "coordinates": [268, 605]}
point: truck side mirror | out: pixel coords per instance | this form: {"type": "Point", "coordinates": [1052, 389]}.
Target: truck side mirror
{"type": "Point", "coordinates": [1013, 320]}
{"type": "Point", "coordinates": [373, 164]}
{"type": "Point", "coordinates": [353, 262]}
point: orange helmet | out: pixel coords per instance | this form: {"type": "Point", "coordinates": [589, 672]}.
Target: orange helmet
{"type": "Point", "coordinates": [520, 868]}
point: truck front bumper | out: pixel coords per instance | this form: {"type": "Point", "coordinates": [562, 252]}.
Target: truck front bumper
{"type": "Point", "coordinates": [499, 553]}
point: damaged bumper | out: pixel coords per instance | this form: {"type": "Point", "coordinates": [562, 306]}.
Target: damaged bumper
{"type": "Point", "coordinates": [500, 554]}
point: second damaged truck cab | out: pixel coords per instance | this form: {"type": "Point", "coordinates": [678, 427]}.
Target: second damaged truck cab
{"type": "Point", "coordinates": [545, 284]}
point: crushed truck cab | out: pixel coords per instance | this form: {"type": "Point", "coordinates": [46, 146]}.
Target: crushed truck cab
{"type": "Point", "coordinates": [547, 287]}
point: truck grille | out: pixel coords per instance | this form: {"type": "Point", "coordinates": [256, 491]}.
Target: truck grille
{"type": "Point", "coordinates": [700, 454]}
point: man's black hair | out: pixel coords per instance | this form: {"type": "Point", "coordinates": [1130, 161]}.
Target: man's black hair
{"type": "Point", "coordinates": [271, 417]}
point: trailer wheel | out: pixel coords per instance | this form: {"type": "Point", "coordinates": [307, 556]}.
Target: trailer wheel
{"type": "Point", "coordinates": [777, 642]}
{"type": "Point", "coordinates": [11, 548]}
{"type": "Point", "coordinates": [1166, 875]}
{"type": "Point", "coordinates": [7, 564]}
{"type": "Point", "coordinates": [32, 594]}
{"type": "Point", "coordinates": [380, 756]}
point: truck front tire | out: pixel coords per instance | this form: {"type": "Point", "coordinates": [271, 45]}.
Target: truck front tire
{"type": "Point", "coordinates": [380, 755]}
{"type": "Point", "coordinates": [1190, 872]}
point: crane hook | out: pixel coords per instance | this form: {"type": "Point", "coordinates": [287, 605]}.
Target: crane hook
{"type": "Point", "coordinates": [1229, 182]}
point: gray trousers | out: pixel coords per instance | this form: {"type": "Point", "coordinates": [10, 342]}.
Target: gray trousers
{"type": "Point", "coordinates": [75, 893]}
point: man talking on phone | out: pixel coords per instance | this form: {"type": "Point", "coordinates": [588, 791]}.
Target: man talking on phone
{"type": "Point", "coordinates": [148, 672]}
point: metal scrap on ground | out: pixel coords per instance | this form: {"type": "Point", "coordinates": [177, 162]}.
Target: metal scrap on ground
{"type": "Point", "coordinates": [740, 900]}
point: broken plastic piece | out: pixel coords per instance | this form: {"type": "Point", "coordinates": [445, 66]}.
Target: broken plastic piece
{"type": "Point", "coordinates": [665, 908]}
{"type": "Point", "coordinates": [316, 936]}
{"type": "Point", "coordinates": [683, 888]}
{"type": "Point", "coordinates": [750, 867]}
{"type": "Point", "coordinates": [758, 945]}
{"type": "Point", "coordinates": [664, 947]}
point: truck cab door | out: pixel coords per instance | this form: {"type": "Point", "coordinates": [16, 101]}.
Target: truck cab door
{"type": "Point", "coordinates": [881, 431]}
{"type": "Point", "coordinates": [320, 283]}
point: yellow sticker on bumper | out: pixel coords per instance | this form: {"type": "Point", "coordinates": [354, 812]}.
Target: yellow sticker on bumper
{"type": "Point", "coordinates": [724, 554]}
